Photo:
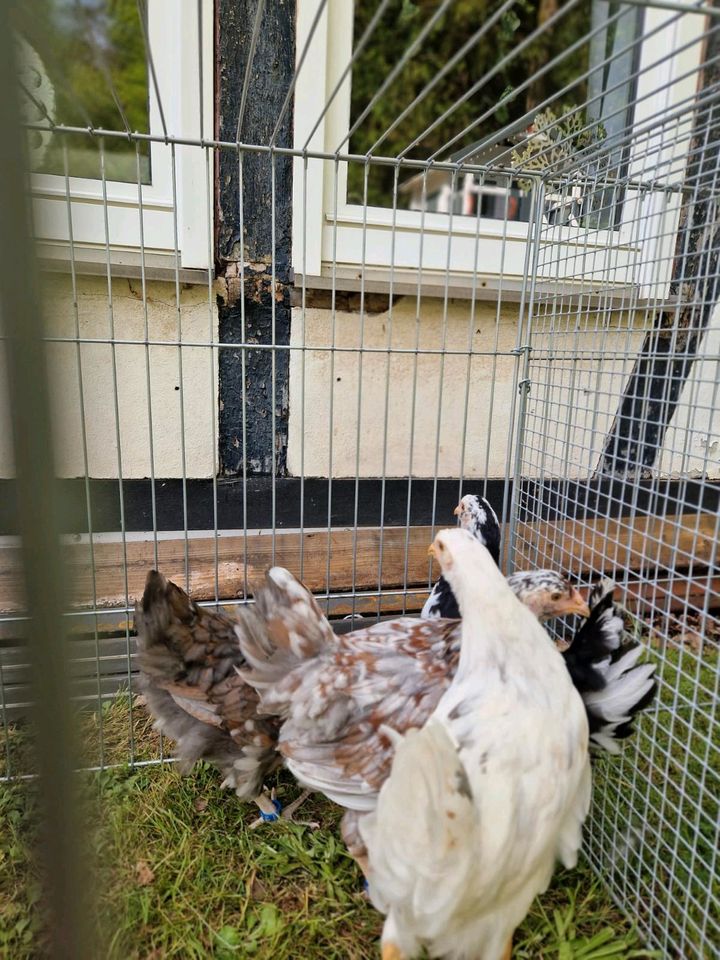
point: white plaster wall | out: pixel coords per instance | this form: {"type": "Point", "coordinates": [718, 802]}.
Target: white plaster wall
{"type": "Point", "coordinates": [132, 422]}
{"type": "Point", "coordinates": [692, 442]}
{"type": "Point", "coordinates": [570, 406]}
{"type": "Point", "coordinates": [574, 401]}
{"type": "Point", "coordinates": [386, 384]}
{"type": "Point", "coordinates": [578, 378]}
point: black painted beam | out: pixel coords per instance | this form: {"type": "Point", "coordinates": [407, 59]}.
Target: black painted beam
{"type": "Point", "coordinates": [549, 500]}
{"type": "Point", "coordinates": [254, 273]}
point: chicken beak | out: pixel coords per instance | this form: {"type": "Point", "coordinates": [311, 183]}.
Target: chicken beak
{"type": "Point", "coordinates": [458, 510]}
{"type": "Point", "coordinates": [431, 550]}
{"type": "Point", "coordinates": [574, 604]}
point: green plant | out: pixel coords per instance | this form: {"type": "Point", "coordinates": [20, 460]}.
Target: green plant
{"type": "Point", "coordinates": [555, 142]}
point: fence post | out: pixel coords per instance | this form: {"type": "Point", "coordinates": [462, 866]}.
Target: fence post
{"type": "Point", "coordinates": [524, 346]}
{"type": "Point", "coordinates": [39, 513]}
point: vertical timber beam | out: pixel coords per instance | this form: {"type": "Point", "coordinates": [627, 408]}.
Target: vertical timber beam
{"type": "Point", "coordinates": [244, 264]}
{"type": "Point", "coordinates": [670, 348]}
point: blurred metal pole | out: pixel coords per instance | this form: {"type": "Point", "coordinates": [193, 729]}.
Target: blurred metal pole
{"type": "Point", "coordinates": [39, 510]}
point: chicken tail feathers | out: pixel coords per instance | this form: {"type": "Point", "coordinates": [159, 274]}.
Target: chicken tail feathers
{"type": "Point", "coordinates": [603, 666]}
{"type": "Point", "coordinates": [285, 629]}
{"type": "Point", "coordinates": [189, 657]}
{"type": "Point", "coordinates": [163, 619]}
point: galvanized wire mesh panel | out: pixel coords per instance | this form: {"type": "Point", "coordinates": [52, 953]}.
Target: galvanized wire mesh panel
{"type": "Point", "coordinates": [292, 314]}
{"type": "Point", "coordinates": [619, 461]}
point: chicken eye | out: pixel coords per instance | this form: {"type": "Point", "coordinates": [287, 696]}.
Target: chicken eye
{"type": "Point", "coordinates": [555, 596]}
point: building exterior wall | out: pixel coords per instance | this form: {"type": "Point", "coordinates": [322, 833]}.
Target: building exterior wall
{"type": "Point", "coordinates": [474, 404]}
{"type": "Point", "coordinates": [692, 443]}
{"type": "Point", "coordinates": [198, 321]}
{"type": "Point", "coordinates": [413, 394]}
{"type": "Point", "coordinates": [392, 400]}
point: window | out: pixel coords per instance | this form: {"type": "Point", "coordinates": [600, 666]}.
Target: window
{"type": "Point", "coordinates": [406, 221]}
{"type": "Point", "coordinates": [85, 65]}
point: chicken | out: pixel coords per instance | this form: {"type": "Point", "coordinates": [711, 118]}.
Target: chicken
{"type": "Point", "coordinates": [189, 659]}
{"type": "Point", "coordinates": [601, 660]}
{"type": "Point", "coordinates": [334, 699]}
{"type": "Point", "coordinates": [547, 593]}
{"type": "Point", "coordinates": [478, 518]}
{"type": "Point", "coordinates": [495, 786]}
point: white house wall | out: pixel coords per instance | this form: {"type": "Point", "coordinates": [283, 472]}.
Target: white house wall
{"type": "Point", "coordinates": [692, 442]}
{"type": "Point", "coordinates": [563, 437]}
{"type": "Point", "coordinates": [570, 407]}
{"type": "Point", "coordinates": [199, 381]}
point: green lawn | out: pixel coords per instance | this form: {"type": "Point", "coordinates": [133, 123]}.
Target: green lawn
{"type": "Point", "coordinates": [179, 874]}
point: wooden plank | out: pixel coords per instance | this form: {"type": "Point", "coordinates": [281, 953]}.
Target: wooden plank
{"type": "Point", "coordinates": [381, 557]}
{"type": "Point", "coordinates": [111, 651]}
{"type": "Point", "coordinates": [116, 620]}
{"type": "Point", "coordinates": [663, 595]}
{"type": "Point", "coordinates": [647, 544]}
{"type": "Point", "coordinates": [652, 547]}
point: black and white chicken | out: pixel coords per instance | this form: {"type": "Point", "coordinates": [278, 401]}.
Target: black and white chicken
{"type": "Point", "coordinates": [478, 518]}
{"type": "Point", "coordinates": [547, 593]}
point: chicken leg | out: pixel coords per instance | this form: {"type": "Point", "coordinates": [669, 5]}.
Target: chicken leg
{"type": "Point", "coordinates": [271, 810]}
{"type": "Point", "coordinates": [391, 951]}
{"type": "Point", "coordinates": [508, 951]}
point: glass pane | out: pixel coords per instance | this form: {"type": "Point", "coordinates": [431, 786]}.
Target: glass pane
{"type": "Point", "coordinates": [611, 90]}
{"type": "Point", "coordinates": [83, 64]}
{"type": "Point", "coordinates": [476, 114]}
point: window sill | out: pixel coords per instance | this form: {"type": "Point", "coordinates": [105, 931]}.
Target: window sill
{"type": "Point", "coordinates": [92, 261]}
{"type": "Point", "coordinates": [457, 286]}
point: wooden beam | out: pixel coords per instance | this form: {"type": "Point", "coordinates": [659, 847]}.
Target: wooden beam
{"type": "Point", "coordinates": [656, 550]}
{"type": "Point", "coordinates": [381, 558]}
{"type": "Point", "coordinates": [643, 544]}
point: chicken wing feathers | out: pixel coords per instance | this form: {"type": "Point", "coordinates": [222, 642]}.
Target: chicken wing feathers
{"type": "Point", "coordinates": [337, 694]}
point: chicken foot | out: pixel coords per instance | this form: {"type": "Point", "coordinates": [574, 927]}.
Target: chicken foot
{"type": "Point", "coordinates": [271, 810]}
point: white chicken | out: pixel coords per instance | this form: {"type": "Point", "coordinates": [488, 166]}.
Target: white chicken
{"type": "Point", "coordinates": [491, 791]}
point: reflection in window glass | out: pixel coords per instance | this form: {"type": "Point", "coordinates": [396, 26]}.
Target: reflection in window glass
{"type": "Point", "coordinates": [83, 64]}
{"type": "Point", "coordinates": [421, 133]}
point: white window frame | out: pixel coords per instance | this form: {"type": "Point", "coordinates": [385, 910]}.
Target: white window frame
{"type": "Point", "coordinates": [173, 38]}
{"type": "Point", "coordinates": [328, 243]}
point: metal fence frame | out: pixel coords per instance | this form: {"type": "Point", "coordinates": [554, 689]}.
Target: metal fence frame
{"type": "Point", "coordinates": [653, 836]}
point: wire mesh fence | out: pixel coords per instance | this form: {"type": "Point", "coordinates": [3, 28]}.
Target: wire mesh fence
{"type": "Point", "coordinates": [292, 322]}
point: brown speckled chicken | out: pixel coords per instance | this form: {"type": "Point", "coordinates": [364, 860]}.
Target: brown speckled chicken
{"type": "Point", "coordinates": [189, 659]}
{"type": "Point", "coordinates": [338, 696]}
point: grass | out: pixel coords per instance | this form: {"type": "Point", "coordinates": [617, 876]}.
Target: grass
{"type": "Point", "coordinates": [179, 874]}
{"type": "Point", "coordinates": [657, 809]}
